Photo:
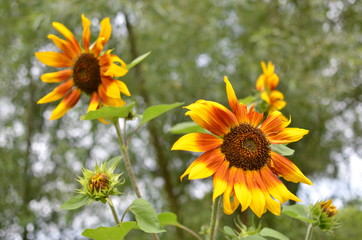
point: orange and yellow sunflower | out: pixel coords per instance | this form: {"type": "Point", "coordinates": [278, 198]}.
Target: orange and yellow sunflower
{"type": "Point", "coordinates": [238, 154]}
{"type": "Point", "coordinates": [87, 70]}
{"type": "Point", "coordinates": [269, 79]}
{"type": "Point", "coordinates": [266, 84]}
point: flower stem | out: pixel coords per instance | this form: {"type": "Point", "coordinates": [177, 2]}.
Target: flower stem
{"type": "Point", "coordinates": [308, 236]}
{"type": "Point", "coordinates": [214, 218]}
{"type": "Point", "coordinates": [114, 213]}
{"type": "Point", "coordinates": [127, 162]}
{"type": "Point", "coordinates": [189, 231]}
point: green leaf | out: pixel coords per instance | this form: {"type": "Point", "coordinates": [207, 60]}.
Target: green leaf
{"type": "Point", "coordinates": [155, 111]}
{"type": "Point", "coordinates": [229, 231]}
{"type": "Point", "coordinates": [168, 218]}
{"type": "Point", "coordinates": [112, 163]}
{"type": "Point", "coordinates": [247, 100]}
{"type": "Point", "coordinates": [110, 233]}
{"type": "Point", "coordinates": [282, 149]}
{"type": "Point", "coordinates": [108, 113]}
{"type": "Point", "coordinates": [146, 216]}
{"type": "Point", "coordinates": [75, 202]}
{"type": "Point", "coordinates": [137, 60]}
{"type": "Point", "coordinates": [255, 237]}
{"type": "Point", "coordinates": [268, 232]}
{"type": "Point", "coordinates": [187, 127]}
{"type": "Point", "coordinates": [297, 211]}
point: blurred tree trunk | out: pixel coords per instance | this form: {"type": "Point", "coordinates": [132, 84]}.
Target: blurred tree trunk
{"type": "Point", "coordinates": [29, 130]}
{"type": "Point", "coordinates": [152, 128]}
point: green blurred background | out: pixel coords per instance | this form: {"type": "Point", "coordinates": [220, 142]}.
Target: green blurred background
{"type": "Point", "coordinates": [315, 45]}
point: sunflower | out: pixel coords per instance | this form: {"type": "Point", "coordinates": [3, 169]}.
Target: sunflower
{"type": "Point", "coordinates": [87, 70]}
{"type": "Point", "coordinates": [274, 99]}
{"type": "Point", "coordinates": [238, 154]}
{"type": "Point", "coordinates": [269, 79]}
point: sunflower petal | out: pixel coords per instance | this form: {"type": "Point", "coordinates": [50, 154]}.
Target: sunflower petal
{"type": "Point", "coordinates": [56, 77]}
{"type": "Point", "coordinates": [197, 142]}
{"type": "Point", "coordinates": [54, 59]}
{"type": "Point", "coordinates": [275, 187]}
{"type": "Point", "coordinates": [108, 101]}
{"type": "Point", "coordinates": [239, 110]}
{"type": "Point", "coordinates": [123, 88]}
{"type": "Point", "coordinates": [106, 30]}
{"type": "Point", "coordinates": [242, 192]}
{"type": "Point", "coordinates": [212, 116]}
{"type": "Point", "coordinates": [220, 180]}
{"type": "Point", "coordinates": [58, 92]}
{"type": "Point", "coordinates": [257, 204]}
{"type": "Point", "coordinates": [287, 135]}
{"type": "Point", "coordinates": [86, 33]}
{"type": "Point", "coordinates": [67, 103]}
{"type": "Point", "coordinates": [230, 206]}
{"type": "Point", "coordinates": [64, 46]}
{"type": "Point", "coordinates": [206, 165]}
{"type": "Point", "coordinates": [115, 71]}
{"type": "Point", "coordinates": [94, 102]}
{"type": "Point", "coordinates": [254, 117]}
{"type": "Point", "coordinates": [274, 123]}
{"type": "Point", "coordinates": [111, 87]}
{"type": "Point", "coordinates": [272, 205]}
{"type": "Point", "coordinates": [287, 169]}
{"type": "Point", "coordinates": [68, 35]}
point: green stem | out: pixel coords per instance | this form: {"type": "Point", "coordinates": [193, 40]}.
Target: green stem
{"type": "Point", "coordinates": [127, 162]}
{"type": "Point", "coordinates": [114, 213]}
{"type": "Point", "coordinates": [189, 231]}
{"type": "Point", "coordinates": [214, 218]}
{"type": "Point", "coordinates": [308, 236]}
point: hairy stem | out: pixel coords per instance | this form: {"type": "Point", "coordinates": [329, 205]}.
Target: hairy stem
{"type": "Point", "coordinates": [114, 213]}
{"type": "Point", "coordinates": [190, 231]}
{"type": "Point", "coordinates": [308, 236]}
{"type": "Point", "coordinates": [127, 162]}
{"type": "Point", "coordinates": [214, 218]}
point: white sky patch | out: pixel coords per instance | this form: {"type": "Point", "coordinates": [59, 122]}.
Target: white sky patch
{"type": "Point", "coordinates": [347, 186]}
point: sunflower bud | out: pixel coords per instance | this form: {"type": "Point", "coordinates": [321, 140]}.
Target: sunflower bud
{"type": "Point", "coordinates": [100, 183]}
{"type": "Point", "coordinates": [323, 212]}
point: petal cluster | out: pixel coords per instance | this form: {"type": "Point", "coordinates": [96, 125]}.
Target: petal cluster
{"type": "Point", "coordinates": [260, 189]}
{"type": "Point", "coordinates": [266, 84]}
{"type": "Point", "coordinates": [87, 70]}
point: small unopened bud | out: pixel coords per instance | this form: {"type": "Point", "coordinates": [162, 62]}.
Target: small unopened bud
{"type": "Point", "coordinates": [100, 183]}
{"type": "Point", "coordinates": [328, 208]}
{"type": "Point", "coordinates": [323, 212]}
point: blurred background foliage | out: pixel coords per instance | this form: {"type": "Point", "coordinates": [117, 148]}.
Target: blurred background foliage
{"type": "Point", "coordinates": [315, 45]}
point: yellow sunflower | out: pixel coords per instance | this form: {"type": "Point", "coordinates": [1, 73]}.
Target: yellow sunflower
{"type": "Point", "coordinates": [238, 154]}
{"type": "Point", "coordinates": [87, 70]}
{"type": "Point", "coordinates": [274, 99]}
{"type": "Point", "coordinates": [269, 79]}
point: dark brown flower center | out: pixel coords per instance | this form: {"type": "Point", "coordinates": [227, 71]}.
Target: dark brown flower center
{"type": "Point", "coordinates": [86, 73]}
{"type": "Point", "coordinates": [246, 147]}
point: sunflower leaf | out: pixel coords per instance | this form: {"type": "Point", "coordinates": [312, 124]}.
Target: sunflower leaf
{"type": "Point", "coordinates": [186, 127]}
{"type": "Point", "coordinates": [268, 232]}
{"type": "Point", "coordinates": [146, 216]}
{"type": "Point", "coordinates": [297, 211]}
{"type": "Point", "coordinates": [110, 233]}
{"type": "Point", "coordinates": [109, 113]}
{"type": "Point", "coordinates": [168, 218]}
{"type": "Point", "coordinates": [157, 110]}
{"type": "Point", "coordinates": [75, 202]}
{"type": "Point", "coordinates": [254, 237]}
{"type": "Point", "coordinates": [138, 60]}
{"type": "Point", "coordinates": [282, 149]}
